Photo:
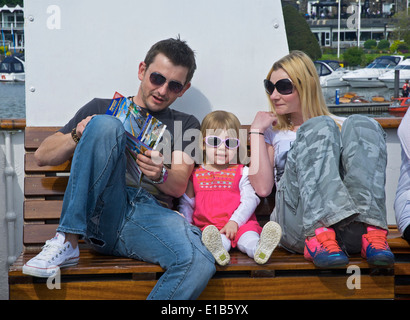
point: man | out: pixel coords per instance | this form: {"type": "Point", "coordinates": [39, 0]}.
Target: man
{"type": "Point", "coordinates": [406, 88]}
{"type": "Point", "coordinates": [130, 221]}
{"type": "Point", "coordinates": [402, 200]}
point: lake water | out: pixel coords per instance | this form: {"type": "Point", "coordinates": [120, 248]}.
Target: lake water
{"type": "Point", "coordinates": [12, 98]}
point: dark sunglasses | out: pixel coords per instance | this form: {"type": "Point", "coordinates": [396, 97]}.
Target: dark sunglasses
{"type": "Point", "coordinates": [284, 86]}
{"type": "Point", "coordinates": [158, 79]}
{"type": "Point", "coordinates": [215, 142]}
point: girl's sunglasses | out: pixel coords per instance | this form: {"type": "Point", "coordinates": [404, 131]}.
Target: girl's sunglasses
{"type": "Point", "coordinates": [284, 86]}
{"type": "Point", "coordinates": [215, 142]}
{"type": "Point", "coordinates": [158, 79]}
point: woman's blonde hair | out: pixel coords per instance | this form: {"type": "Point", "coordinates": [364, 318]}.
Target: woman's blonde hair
{"type": "Point", "coordinates": [302, 72]}
{"type": "Point", "coordinates": [217, 121]}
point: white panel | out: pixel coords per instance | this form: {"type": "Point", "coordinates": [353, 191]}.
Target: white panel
{"type": "Point", "coordinates": [80, 49]}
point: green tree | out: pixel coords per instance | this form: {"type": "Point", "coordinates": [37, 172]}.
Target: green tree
{"type": "Point", "coordinates": [401, 24]}
{"type": "Point", "coordinates": [353, 56]}
{"type": "Point", "coordinates": [383, 44]}
{"type": "Point", "coordinates": [299, 35]}
{"type": "Point", "coordinates": [370, 44]}
{"type": "Point", "coordinates": [11, 3]}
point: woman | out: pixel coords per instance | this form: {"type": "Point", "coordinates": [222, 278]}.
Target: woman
{"type": "Point", "coordinates": [329, 171]}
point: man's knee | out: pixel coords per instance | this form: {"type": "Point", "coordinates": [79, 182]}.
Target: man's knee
{"type": "Point", "coordinates": [104, 125]}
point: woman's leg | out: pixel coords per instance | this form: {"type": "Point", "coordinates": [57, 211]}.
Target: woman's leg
{"type": "Point", "coordinates": [364, 160]}
{"type": "Point", "coordinates": [311, 193]}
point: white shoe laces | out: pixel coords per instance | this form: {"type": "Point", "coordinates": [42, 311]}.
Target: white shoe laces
{"type": "Point", "coordinates": [51, 250]}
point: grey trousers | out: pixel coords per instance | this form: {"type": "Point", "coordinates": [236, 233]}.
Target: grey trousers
{"type": "Point", "coordinates": [333, 178]}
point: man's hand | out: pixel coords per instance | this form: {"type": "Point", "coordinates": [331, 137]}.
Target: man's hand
{"type": "Point", "coordinates": [81, 125]}
{"type": "Point", "coordinates": [151, 163]}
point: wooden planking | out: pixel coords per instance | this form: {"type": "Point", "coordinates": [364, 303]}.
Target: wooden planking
{"type": "Point", "coordinates": [281, 260]}
{"type": "Point", "coordinates": [49, 186]}
{"type": "Point", "coordinates": [389, 123]}
{"type": "Point", "coordinates": [42, 210]}
{"type": "Point", "coordinates": [300, 288]}
{"type": "Point", "coordinates": [91, 263]}
{"type": "Point", "coordinates": [38, 233]}
{"type": "Point", "coordinates": [12, 124]}
{"type": "Point", "coordinates": [280, 288]}
{"type": "Point", "coordinates": [30, 165]}
{"type": "Point", "coordinates": [34, 136]}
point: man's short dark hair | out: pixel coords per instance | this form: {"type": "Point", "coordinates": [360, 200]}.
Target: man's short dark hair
{"type": "Point", "coordinates": [175, 50]}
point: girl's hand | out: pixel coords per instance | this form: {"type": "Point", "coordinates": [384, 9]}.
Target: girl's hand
{"type": "Point", "coordinates": [230, 230]}
{"type": "Point", "coordinates": [263, 120]}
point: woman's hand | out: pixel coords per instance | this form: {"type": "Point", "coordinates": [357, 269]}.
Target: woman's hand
{"type": "Point", "coordinates": [263, 120]}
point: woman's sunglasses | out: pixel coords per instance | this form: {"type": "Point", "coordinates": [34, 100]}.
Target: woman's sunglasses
{"type": "Point", "coordinates": [215, 142]}
{"type": "Point", "coordinates": [158, 79]}
{"type": "Point", "coordinates": [284, 86]}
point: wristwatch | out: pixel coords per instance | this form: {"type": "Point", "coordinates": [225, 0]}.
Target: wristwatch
{"type": "Point", "coordinates": [163, 177]}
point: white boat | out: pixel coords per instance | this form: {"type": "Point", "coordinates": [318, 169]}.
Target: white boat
{"type": "Point", "coordinates": [404, 74]}
{"type": "Point", "coordinates": [330, 73]}
{"type": "Point", "coordinates": [369, 76]}
{"type": "Point", "coordinates": [12, 69]}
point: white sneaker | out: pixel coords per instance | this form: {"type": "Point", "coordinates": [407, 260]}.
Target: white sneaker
{"type": "Point", "coordinates": [270, 237]}
{"type": "Point", "coordinates": [213, 242]}
{"type": "Point", "coordinates": [55, 254]}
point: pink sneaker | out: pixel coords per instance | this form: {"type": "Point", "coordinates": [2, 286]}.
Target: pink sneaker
{"type": "Point", "coordinates": [375, 248]}
{"type": "Point", "coordinates": [323, 249]}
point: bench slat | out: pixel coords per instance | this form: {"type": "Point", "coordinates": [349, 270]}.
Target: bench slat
{"type": "Point", "coordinates": [34, 136]}
{"type": "Point", "coordinates": [30, 165]}
{"type": "Point", "coordinates": [38, 234]}
{"type": "Point", "coordinates": [42, 210]}
{"type": "Point", "coordinates": [219, 289]}
{"type": "Point", "coordinates": [38, 186]}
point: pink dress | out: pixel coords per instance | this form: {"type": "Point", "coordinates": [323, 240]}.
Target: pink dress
{"type": "Point", "coordinates": [217, 196]}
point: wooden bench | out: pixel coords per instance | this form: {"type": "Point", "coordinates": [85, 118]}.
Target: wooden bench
{"type": "Point", "coordinates": [285, 276]}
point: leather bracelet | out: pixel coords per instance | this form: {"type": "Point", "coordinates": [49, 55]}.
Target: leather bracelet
{"type": "Point", "coordinates": [74, 135]}
{"type": "Point", "coordinates": [261, 133]}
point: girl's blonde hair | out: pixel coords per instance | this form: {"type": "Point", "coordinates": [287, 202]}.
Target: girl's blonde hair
{"type": "Point", "coordinates": [302, 72]}
{"type": "Point", "coordinates": [217, 121]}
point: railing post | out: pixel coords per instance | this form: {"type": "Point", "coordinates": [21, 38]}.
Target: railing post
{"type": "Point", "coordinates": [11, 216]}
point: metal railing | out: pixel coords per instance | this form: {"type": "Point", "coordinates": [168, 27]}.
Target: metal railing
{"type": "Point", "coordinates": [8, 129]}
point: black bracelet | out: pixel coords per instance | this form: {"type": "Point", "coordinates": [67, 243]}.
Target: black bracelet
{"type": "Point", "coordinates": [261, 133]}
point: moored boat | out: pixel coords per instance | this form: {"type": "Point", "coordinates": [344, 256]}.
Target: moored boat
{"type": "Point", "coordinates": [399, 106]}
{"type": "Point", "coordinates": [369, 76]}
{"type": "Point", "coordinates": [404, 74]}
{"type": "Point", "coordinates": [330, 73]}
{"type": "Point", "coordinates": [12, 69]}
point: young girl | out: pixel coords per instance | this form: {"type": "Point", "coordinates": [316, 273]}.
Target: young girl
{"type": "Point", "coordinates": [221, 201]}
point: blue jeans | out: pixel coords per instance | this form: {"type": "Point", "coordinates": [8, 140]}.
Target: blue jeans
{"type": "Point", "coordinates": [129, 222]}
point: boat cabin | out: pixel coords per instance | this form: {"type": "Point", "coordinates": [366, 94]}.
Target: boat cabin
{"type": "Point", "coordinates": [12, 69]}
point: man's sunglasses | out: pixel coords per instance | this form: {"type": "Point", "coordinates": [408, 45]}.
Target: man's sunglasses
{"type": "Point", "coordinates": [158, 79]}
{"type": "Point", "coordinates": [284, 86]}
{"type": "Point", "coordinates": [215, 142]}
